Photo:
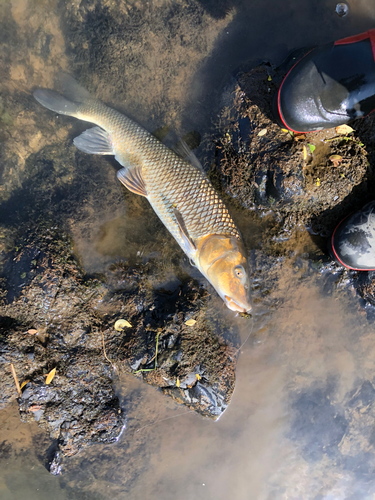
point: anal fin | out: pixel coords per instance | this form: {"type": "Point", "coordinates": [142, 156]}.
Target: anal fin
{"type": "Point", "coordinates": [133, 180]}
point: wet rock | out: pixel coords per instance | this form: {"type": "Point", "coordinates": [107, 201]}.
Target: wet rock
{"type": "Point", "coordinates": [60, 318]}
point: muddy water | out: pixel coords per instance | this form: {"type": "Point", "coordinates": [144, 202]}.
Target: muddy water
{"type": "Point", "coordinates": [300, 424]}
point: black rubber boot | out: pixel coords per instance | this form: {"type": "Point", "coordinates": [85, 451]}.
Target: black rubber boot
{"type": "Point", "coordinates": [353, 241]}
{"type": "Point", "coordinates": [329, 86]}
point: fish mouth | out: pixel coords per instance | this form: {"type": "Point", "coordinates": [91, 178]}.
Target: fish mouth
{"type": "Point", "coordinates": [233, 306]}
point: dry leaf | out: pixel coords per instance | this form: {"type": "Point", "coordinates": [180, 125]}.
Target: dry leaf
{"type": "Point", "coordinates": [24, 383]}
{"type": "Point", "coordinates": [304, 153]}
{"type": "Point", "coordinates": [190, 322]}
{"type": "Point", "coordinates": [121, 324]}
{"type": "Point", "coordinates": [262, 132]}
{"type": "Point", "coordinates": [32, 331]}
{"type": "Point", "coordinates": [178, 382]}
{"type": "Point", "coordinates": [50, 376]}
{"type": "Point", "coordinates": [344, 129]}
{"type": "Point", "coordinates": [299, 137]}
{"type": "Point", "coordinates": [35, 408]}
{"type": "Point", "coordinates": [335, 158]}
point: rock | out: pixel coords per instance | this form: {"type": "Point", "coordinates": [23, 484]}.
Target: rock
{"type": "Point", "coordinates": [74, 317]}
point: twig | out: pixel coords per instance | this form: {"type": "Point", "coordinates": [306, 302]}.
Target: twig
{"type": "Point", "coordinates": [105, 354]}
{"type": "Point", "coordinates": [16, 379]}
{"type": "Point", "coordinates": [156, 358]}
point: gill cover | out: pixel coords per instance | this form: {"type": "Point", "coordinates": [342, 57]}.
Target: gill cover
{"type": "Point", "coordinates": [222, 260]}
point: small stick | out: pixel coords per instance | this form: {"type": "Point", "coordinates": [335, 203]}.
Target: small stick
{"type": "Point", "coordinates": [105, 354]}
{"type": "Point", "coordinates": [16, 379]}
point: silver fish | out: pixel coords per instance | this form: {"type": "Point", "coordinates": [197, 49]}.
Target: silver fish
{"type": "Point", "coordinates": [178, 191]}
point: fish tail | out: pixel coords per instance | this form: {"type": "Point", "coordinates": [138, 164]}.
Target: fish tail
{"type": "Point", "coordinates": [66, 103]}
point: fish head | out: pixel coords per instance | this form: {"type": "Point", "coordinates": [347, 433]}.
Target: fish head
{"type": "Point", "coordinates": [222, 259]}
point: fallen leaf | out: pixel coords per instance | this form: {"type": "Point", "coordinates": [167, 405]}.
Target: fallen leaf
{"type": "Point", "coordinates": [35, 408]}
{"type": "Point", "coordinates": [269, 78]}
{"type": "Point", "coordinates": [335, 158]}
{"type": "Point", "coordinates": [178, 382]}
{"type": "Point", "coordinates": [312, 147]}
{"type": "Point", "coordinates": [299, 137]}
{"type": "Point", "coordinates": [262, 132]}
{"type": "Point", "coordinates": [50, 376]}
{"type": "Point", "coordinates": [24, 383]}
{"type": "Point", "coordinates": [198, 376]}
{"type": "Point", "coordinates": [318, 182]}
{"type": "Point", "coordinates": [32, 331]}
{"type": "Point", "coordinates": [344, 129]}
{"type": "Point", "coordinates": [121, 324]}
{"type": "Point", "coordinates": [304, 153]}
{"type": "Point", "coordinates": [285, 130]}
{"type": "Point", "coordinates": [190, 322]}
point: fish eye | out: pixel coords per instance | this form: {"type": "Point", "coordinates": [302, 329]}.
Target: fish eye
{"type": "Point", "coordinates": [239, 271]}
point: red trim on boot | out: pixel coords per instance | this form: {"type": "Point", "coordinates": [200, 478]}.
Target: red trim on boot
{"type": "Point", "coordinates": [358, 38]}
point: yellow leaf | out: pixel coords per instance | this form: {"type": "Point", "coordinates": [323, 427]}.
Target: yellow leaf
{"type": "Point", "coordinates": [121, 324]}
{"type": "Point", "coordinates": [262, 132]}
{"type": "Point", "coordinates": [285, 130]}
{"type": "Point", "coordinates": [198, 376]}
{"type": "Point", "coordinates": [190, 322]}
{"type": "Point", "coordinates": [269, 78]}
{"type": "Point", "coordinates": [50, 376]}
{"type": "Point", "coordinates": [304, 153]}
{"type": "Point", "coordinates": [24, 383]}
{"type": "Point", "coordinates": [178, 382]}
{"type": "Point", "coordinates": [318, 182]}
{"type": "Point", "coordinates": [344, 129]}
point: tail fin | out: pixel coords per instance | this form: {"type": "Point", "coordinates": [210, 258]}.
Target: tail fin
{"type": "Point", "coordinates": [56, 102]}
{"type": "Point", "coordinates": [66, 104]}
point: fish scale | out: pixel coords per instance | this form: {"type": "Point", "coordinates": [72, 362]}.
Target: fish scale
{"type": "Point", "coordinates": [171, 182]}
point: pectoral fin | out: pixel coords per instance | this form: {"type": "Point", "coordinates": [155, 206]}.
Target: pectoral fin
{"type": "Point", "coordinates": [94, 141]}
{"type": "Point", "coordinates": [133, 180]}
{"type": "Point", "coordinates": [189, 245]}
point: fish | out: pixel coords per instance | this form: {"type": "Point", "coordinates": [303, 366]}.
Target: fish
{"type": "Point", "coordinates": [174, 184]}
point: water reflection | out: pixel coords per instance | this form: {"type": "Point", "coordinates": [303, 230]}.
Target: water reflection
{"type": "Point", "coordinates": [300, 424]}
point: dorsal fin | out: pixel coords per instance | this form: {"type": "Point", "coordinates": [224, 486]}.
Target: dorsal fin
{"type": "Point", "coordinates": [188, 242]}
{"type": "Point", "coordinates": [183, 150]}
{"type": "Point", "coordinates": [133, 180]}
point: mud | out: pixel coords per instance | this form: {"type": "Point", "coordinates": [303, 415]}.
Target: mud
{"type": "Point", "coordinates": [299, 181]}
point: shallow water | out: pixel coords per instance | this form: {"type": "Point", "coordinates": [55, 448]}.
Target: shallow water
{"type": "Point", "coordinates": [300, 424]}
